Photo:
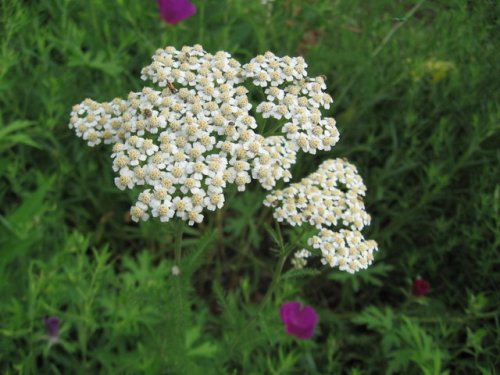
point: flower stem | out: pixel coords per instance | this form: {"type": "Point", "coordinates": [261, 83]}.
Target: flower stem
{"type": "Point", "coordinates": [379, 48]}
{"type": "Point", "coordinates": [180, 308]}
{"type": "Point", "coordinates": [275, 280]}
{"type": "Point", "coordinates": [277, 271]}
{"type": "Point", "coordinates": [269, 293]}
{"type": "Point", "coordinates": [179, 229]}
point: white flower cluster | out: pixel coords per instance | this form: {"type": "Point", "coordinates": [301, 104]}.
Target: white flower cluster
{"type": "Point", "coordinates": [329, 197]}
{"type": "Point", "coordinates": [183, 144]}
{"type": "Point", "coordinates": [300, 258]}
{"type": "Point", "coordinates": [298, 103]}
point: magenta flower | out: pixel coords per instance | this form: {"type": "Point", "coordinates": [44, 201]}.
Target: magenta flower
{"type": "Point", "coordinates": [420, 287]}
{"type": "Point", "coordinates": [173, 11]}
{"type": "Point", "coordinates": [52, 326]}
{"type": "Point", "coordinates": [300, 320]}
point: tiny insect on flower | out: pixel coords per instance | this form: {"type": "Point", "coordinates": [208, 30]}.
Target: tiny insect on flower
{"type": "Point", "coordinates": [171, 87]}
{"type": "Point", "coordinates": [300, 320]}
{"type": "Point", "coordinates": [174, 11]}
{"type": "Point", "coordinates": [420, 287]}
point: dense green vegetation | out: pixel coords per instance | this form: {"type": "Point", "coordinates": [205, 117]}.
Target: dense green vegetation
{"type": "Point", "coordinates": [416, 88]}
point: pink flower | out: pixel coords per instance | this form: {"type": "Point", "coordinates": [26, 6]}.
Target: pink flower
{"type": "Point", "coordinates": [420, 287]}
{"type": "Point", "coordinates": [173, 11]}
{"type": "Point", "coordinates": [300, 320]}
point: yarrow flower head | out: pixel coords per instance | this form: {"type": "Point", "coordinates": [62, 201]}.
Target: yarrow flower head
{"type": "Point", "coordinates": [329, 198]}
{"type": "Point", "coordinates": [300, 320]}
{"type": "Point", "coordinates": [176, 271]}
{"type": "Point", "coordinates": [174, 11]}
{"type": "Point", "coordinates": [183, 141]}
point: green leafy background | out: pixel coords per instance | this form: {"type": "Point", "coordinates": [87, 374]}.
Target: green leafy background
{"type": "Point", "coordinates": [416, 91]}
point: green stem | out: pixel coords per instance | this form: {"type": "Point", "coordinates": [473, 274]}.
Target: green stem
{"type": "Point", "coordinates": [380, 47]}
{"type": "Point", "coordinates": [267, 297]}
{"type": "Point", "coordinates": [389, 35]}
{"type": "Point", "coordinates": [219, 222]}
{"type": "Point", "coordinates": [275, 281]}
{"type": "Point", "coordinates": [201, 25]}
{"type": "Point", "coordinates": [277, 271]}
{"type": "Point", "coordinates": [179, 229]}
{"type": "Point", "coordinates": [179, 318]}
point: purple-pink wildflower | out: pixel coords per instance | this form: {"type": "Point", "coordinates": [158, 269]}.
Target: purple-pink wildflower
{"type": "Point", "coordinates": [52, 326]}
{"type": "Point", "coordinates": [300, 320]}
{"type": "Point", "coordinates": [420, 287]}
{"type": "Point", "coordinates": [174, 11]}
